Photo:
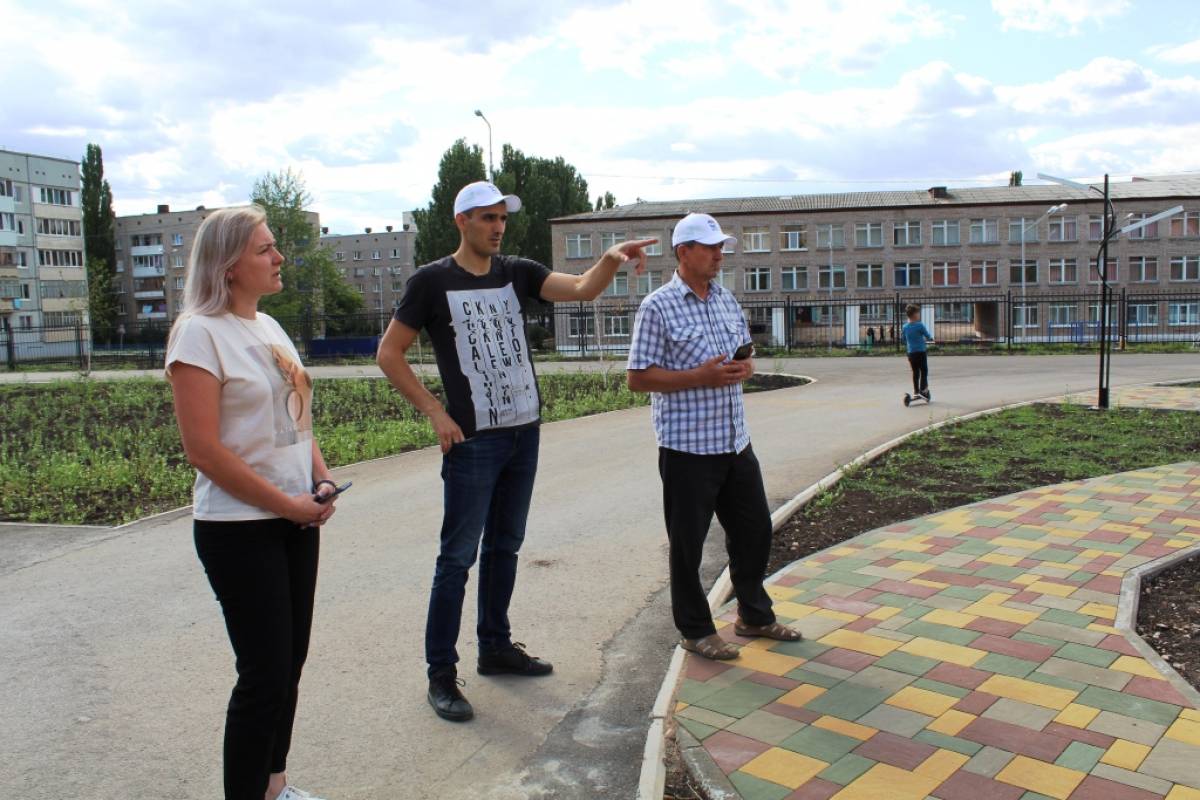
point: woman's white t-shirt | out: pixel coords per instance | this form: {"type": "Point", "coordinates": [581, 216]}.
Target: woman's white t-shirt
{"type": "Point", "coordinates": [266, 405]}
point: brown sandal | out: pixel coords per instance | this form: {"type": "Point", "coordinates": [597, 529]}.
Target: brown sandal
{"type": "Point", "coordinates": [775, 631]}
{"type": "Point", "coordinates": [711, 647]}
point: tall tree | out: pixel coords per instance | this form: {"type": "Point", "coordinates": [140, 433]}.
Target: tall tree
{"type": "Point", "coordinates": [312, 284]}
{"type": "Point", "coordinates": [437, 234]}
{"type": "Point", "coordinates": [607, 200]}
{"type": "Point", "coordinates": [99, 236]}
{"type": "Point", "coordinates": [548, 188]}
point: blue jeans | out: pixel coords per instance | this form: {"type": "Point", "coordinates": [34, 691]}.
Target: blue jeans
{"type": "Point", "coordinates": [487, 484]}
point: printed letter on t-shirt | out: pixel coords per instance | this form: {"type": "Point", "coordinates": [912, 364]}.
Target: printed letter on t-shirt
{"type": "Point", "coordinates": [491, 353]}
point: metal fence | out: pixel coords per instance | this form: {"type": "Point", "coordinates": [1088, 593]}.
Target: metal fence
{"type": "Point", "coordinates": [1009, 320]}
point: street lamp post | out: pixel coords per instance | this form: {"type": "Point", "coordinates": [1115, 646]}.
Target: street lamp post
{"type": "Point", "coordinates": [491, 169]}
{"type": "Point", "coordinates": [1024, 229]}
{"type": "Point", "coordinates": [830, 287]}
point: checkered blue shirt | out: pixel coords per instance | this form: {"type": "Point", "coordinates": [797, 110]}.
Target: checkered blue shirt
{"type": "Point", "coordinates": [677, 330]}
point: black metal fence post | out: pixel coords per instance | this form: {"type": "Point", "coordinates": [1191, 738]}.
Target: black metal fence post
{"type": "Point", "coordinates": [10, 348]}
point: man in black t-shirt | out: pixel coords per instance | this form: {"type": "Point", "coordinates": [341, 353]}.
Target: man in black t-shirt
{"type": "Point", "coordinates": [470, 304]}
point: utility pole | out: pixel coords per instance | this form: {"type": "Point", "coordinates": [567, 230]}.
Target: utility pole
{"type": "Point", "coordinates": [491, 169]}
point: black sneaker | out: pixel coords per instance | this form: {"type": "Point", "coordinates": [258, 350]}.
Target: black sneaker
{"type": "Point", "coordinates": [447, 701]}
{"type": "Point", "coordinates": [513, 661]}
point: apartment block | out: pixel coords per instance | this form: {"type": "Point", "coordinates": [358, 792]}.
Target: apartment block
{"type": "Point", "coordinates": [376, 263]}
{"type": "Point", "coordinates": [800, 258]}
{"type": "Point", "coordinates": [43, 283]}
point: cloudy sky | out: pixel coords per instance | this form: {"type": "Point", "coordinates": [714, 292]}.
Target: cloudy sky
{"type": "Point", "coordinates": [657, 99]}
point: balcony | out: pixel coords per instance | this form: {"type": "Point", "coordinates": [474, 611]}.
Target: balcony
{"type": "Point", "coordinates": [8, 238]}
{"type": "Point", "coordinates": [146, 250]}
{"type": "Point", "coordinates": [150, 294]}
{"type": "Point", "coordinates": [152, 315]}
{"type": "Point", "coordinates": [7, 205]}
{"type": "Point", "coordinates": [149, 272]}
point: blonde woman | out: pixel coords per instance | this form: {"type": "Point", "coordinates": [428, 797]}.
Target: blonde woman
{"type": "Point", "coordinates": [244, 406]}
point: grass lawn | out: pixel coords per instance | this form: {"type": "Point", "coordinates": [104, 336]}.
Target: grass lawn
{"type": "Point", "coordinates": [108, 452]}
{"type": "Point", "coordinates": [987, 457]}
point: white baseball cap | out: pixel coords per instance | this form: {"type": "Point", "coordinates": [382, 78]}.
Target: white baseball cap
{"type": "Point", "coordinates": [699, 228]}
{"type": "Point", "coordinates": [481, 194]}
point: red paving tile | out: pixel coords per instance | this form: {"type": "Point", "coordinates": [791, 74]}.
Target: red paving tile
{"type": "Point", "coordinates": [964, 785]}
{"type": "Point", "coordinates": [702, 669]}
{"type": "Point", "coordinates": [1154, 689]}
{"type": "Point", "coordinates": [1015, 739]}
{"type": "Point", "coordinates": [791, 712]}
{"type": "Point", "coordinates": [906, 589]}
{"type": "Point", "coordinates": [864, 594]}
{"type": "Point", "coordinates": [863, 624]}
{"type": "Point", "coordinates": [1101, 535]}
{"type": "Point", "coordinates": [1079, 734]}
{"type": "Point", "coordinates": [815, 789]}
{"type": "Point", "coordinates": [731, 751]}
{"type": "Point", "coordinates": [1013, 647]}
{"type": "Point", "coordinates": [996, 626]}
{"type": "Point", "coordinates": [975, 702]}
{"type": "Point", "coordinates": [1104, 583]}
{"type": "Point", "coordinates": [952, 578]}
{"type": "Point", "coordinates": [886, 562]}
{"type": "Point", "coordinates": [1026, 597]}
{"type": "Point", "coordinates": [1149, 548]}
{"type": "Point", "coordinates": [1118, 644]}
{"type": "Point", "coordinates": [844, 604]}
{"type": "Point", "coordinates": [895, 750]}
{"type": "Point", "coordinates": [1093, 788]}
{"type": "Point", "coordinates": [776, 681]}
{"type": "Point", "coordinates": [847, 659]}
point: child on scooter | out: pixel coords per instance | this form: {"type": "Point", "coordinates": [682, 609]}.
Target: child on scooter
{"type": "Point", "coordinates": [916, 335]}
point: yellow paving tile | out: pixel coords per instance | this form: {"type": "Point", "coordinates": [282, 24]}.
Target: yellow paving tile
{"type": "Point", "coordinates": [860, 642]}
{"type": "Point", "coordinates": [1185, 730]}
{"type": "Point", "coordinates": [1019, 616]}
{"type": "Point", "coordinates": [794, 610]}
{"type": "Point", "coordinates": [1136, 666]}
{"type": "Point", "coordinates": [784, 767]}
{"type": "Point", "coordinates": [1102, 628]}
{"type": "Point", "coordinates": [883, 612]}
{"type": "Point", "coordinates": [1099, 610]}
{"type": "Point", "coordinates": [1026, 579]}
{"type": "Point", "coordinates": [943, 651]}
{"type": "Point", "coordinates": [999, 558]}
{"type": "Point", "coordinates": [997, 597]}
{"type": "Point", "coordinates": [1121, 528]}
{"type": "Point", "coordinates": [914, 567]}
{"type": "Point", "coordinates": [954, 619]}
{"type": "Point", "coordinates": [1056, 589]}
{"type": "Point", "coordinates": [1091, 553]}
{"type": "Point", "coordinates": [782, 592]}
{"type": "Point", "coordinates": [930, 584]}
{"type": "Point", "coordinates": [721, 623]}
{"type": "Point", "coordinates": [1023, 544]}
{"type": "Point", "coordinates": [884, 780]}
{"type": "Point", "coordinates": [922, 701]}
{"type": "Point", "coordinates": [1040, 777]}
{"type": "Point", "coordinates": [840, 616]}
{"type": "Point", "coordinates": [680, 706]}
{"type": "Point", "coordinates": [942, 764]}
{"type": "Point", "coordinates": [1077, 716]}
{"type": "Point", "coordinates": [801, 694]}
{"type": "Point", "coordinates": [852, 729]}
{"type": "Point", "coordinates": [954, 721]}
{"type": "Point", "coordinates": [1183, 793]}
{"type": "Point", "coordinates": [1028, 692]}
{"type": "Point", "coordinates": [760, 644]}
{"type": "Point", "coordinates": [1140, 535]}
{"type": "Point", "coordinates": [1126, 755]}
{"type": "Point", "coordinates": [1177, 543]}
{"type": "Point", "coordinates": [768, 662]}
{"type": "Point", "coordinates": [1191, 713]}
{"type": "Point", "coordinates": [911, 545]}
{"type": "Point", "coordinates": [844, 551]}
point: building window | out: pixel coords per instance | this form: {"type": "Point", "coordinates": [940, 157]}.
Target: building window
{"type": "Point", "coordinates": [51, 227]}
{"type": "Point", "coordinates": [60, 319]}
{"type": "Point", "coordinates": [1063, 229]}
{"type": "Point", "coordinates": [1143, 269]}
{"type": "Point", "coordinates": [178, 262]}
{"type": "Point", "coordinates": [1062, 315]}
{"type": "Point", "coordinates": [793, 279]}
{"type": "Point", "coordinates": [906, 275]}
{"type": "Point", "coordinates": [792, 237]}
{"type": "Point", "coordinates": [376, 255]}
{"type": "Point", "coordinates": [56, 197]}
{"type": "Point", "coordinates": [945, 273]}
{"type": "Point", "coordinates": [616, 325]}
{"type": "Point", "coordinates": [360, 272]}
{"type": "Point", "coordinates": [869, 276]}
{"type": "Point", "coordinates": [375, 272]}
{"type": "Point", "coordinates": [610, 239]}
{"type": "Point", "coordinates": [648, 281]}
{"type": "Point", "coordinates": [756, 239]}
{"type": "Point", "coordinates": [8, 222]}
{"type": "Point", "coordinates": [356, 255]}
{"type": "Point", "coordinates": [906, 234]}
{"type": "Point", "coordinates": [579, 245]}
{"type": "Point", "coordinates": [985, 273]}
{"type": "Point", "coordinates": [1015, 226]}
{"type": "Point", "coordinates": [1185, 268]}
{"type": "Point", "coordinates": [397, 286]}
{"type": "Point", "coordinates": [945, 232]}
{"type": "Point", "coordinates": [868, 234]}
{"type": "Point", "coordinates": [619, 285]}
{"type": "Point", "coordinates": [1143, 314]}
{"type": "Point", "coordinates": [177, 240]}
{"type": "Point", "coordinates": [6, 187]}
{"type": "Point", "coordinates": [652, 249]}
{"type": "Point", "coordinates": [145, 240]}
{"type": "Point", "coordinates": [1094, 272]}
{"type": "Point", "coordinates": [727, 278]}
{"type": "Point", "coordinates": [60, 258]}
{"type": "Point", "coordinates": [339, 256]}
{"type": "Point", "coordinates": [955, 312]}
{"type": "Point", "coordinates": [1186, 224]}
{"type": "Point", "coordinates": [1025, 316]}
{"type": "Point", "coordinates": [985, 231]}
{"type": "Point", "coordinates": [581, 325]}
{"type": "Point", "coordinates": [1023, 273]}
{"type": "Point", "coordinates": [1148, 232]}
{"type": "Point", "coordinates": [758, 279]}
{"type": "Point", "coordinates": [1062, 270]}
{"type": "Point", "coordinates": [831, 235]}
{"type": "Point", "coordinates": [179, 283]}
{"type": "Point", "coordinates": [396, 252]}
{"type": "Point", "coordinates": [120, 265]}
{"type": "Point", "coordinates": [1095, 227]}
{"type": "Point", "coordinates": [831, 277]}
{"type": "Point", "coordinates": [1183, 314]}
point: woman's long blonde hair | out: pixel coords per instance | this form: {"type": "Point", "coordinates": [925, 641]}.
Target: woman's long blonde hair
{"type": "Point", "coordinates": [219, 243]}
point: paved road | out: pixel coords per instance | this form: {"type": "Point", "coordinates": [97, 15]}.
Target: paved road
{"type": "Point", "coordinates": [115, 666]}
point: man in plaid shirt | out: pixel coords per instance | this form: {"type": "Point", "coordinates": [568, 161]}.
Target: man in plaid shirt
{"type": "Point", "coordinates": [684, 341]}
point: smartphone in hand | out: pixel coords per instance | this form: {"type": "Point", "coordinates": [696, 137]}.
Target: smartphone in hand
{"type": "Point", "coordinates": [337, 490]}
{"type": "Point", "coordinates": [743, 352]}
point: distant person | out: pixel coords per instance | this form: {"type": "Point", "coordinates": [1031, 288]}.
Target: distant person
{"type": "Point", "coordinates": [244, 406]}
{"type": "Point", "coordinates": [684, 340]}
{"type": "Point", "coordinates": [870, 337]}
{"type": "Point", "coordinates": [470, 304]}
{"type": "Point", "coordinates": [916, 335]}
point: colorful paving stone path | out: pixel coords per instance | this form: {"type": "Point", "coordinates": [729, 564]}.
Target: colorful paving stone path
{"type": "Point", "coordinates": [1171, 398]}
{"type": "Point", "coordinates": [967, 655]}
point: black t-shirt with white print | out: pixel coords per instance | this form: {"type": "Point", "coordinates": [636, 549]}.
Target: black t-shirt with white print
{"type": "Point", "coordinates": [478, 334]}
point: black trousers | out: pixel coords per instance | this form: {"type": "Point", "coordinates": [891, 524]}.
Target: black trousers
{"type": "Point", "coordinates": [264, 573]}
{"type": "Point", "coordinates": [920, 370]}
{"type": "Point", "coordinates": [694, 487]}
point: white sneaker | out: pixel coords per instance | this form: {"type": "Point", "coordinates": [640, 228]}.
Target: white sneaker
{"type": "Point", "coordinates": [292, 793]}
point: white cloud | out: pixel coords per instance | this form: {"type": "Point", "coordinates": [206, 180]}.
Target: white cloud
{"type": "Point", "coordinates": [1061, 17]}
{"type": "Point", "coordinates": [1187, 53]}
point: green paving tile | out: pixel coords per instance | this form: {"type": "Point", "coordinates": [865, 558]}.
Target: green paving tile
{"type": "Point", "coordinates": [1067, 617]}
{"type": "Point", "coordinates": [1035, 796]}
{"type": "Point", "coordinates": [939, 687]}
{"type": "Point", "coordinates": [911, 555]}
{"type": "Point", "coordinates": [815, 678]}
{"type": "Point", "coordinates": [697, 729]}
{"type": "Point", "coordinates": [1079, 577]}
{"type": "Point", "coordinates": [1055, 555]}
{"type": "Point", "coordinates": [948, 742]}
{"type": "Point", "coordinates": [965, 592]}
{"type": "Point", "coordinates": [740, 699]}
{"type": "Point", "coordinates": [752, 788]}
{"type": "Point", "coordinates": [805, 648]}
{"type": "Point", "coordinates": [1000, 572]}
{"type": "Point", "coordinates": [847, 564]}
{"type": "Point", "coordinates": [943, 633]}
{"type": "Point", "coordinates": [1087, 655]}
{"type": "Point", "coordinates": [1080, 756]}
{"type": "Point", "coordinates": [904, 662]}
{"type": "Point", "coordinates": [1006, 665]}
{"type": "Point", "coordinates": [847, 700]}
{"type": "Point", "coordinates": [1127, 704]}
{"type": "Point", "coordinates": [1110, 547]}
{"type": "Point", "coordinates": [1031, 534]}
{"type": "Point", "coordinates": [913, 609]}
{"type": "Point", "coordinates": [974, 547]}
{"type": "Point", "coordinates": [1055, 680]}
{"type": "Point", "coordinates": [846, 769]}
{"type": "Point", "coordinates": [895, 600]}
{"type": "Point", "coordinates": [820, 743]}
{"type": "Point", "coordinates": [854, 579]}
{"type": "Point", "coordinates": [1033, 638]}
{"type": "Point", "coordinates": [690, 691]}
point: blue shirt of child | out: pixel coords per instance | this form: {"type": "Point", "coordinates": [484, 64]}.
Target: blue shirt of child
{"type": "Point", "coordinates": [915, 335]}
